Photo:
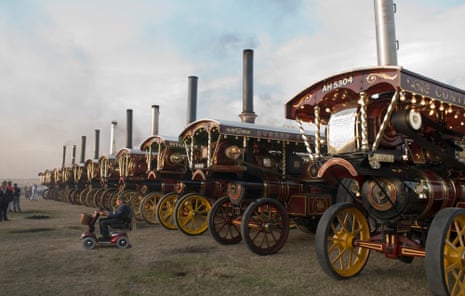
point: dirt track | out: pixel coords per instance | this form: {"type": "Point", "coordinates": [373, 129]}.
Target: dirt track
{"type": "Point", "coordinates": [44, 256]}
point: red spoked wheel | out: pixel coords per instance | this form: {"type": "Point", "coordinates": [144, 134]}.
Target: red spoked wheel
{"type": "Point", "coordinates": [265, 226]}
{"type": "Point", "coordinates": [224, 222]}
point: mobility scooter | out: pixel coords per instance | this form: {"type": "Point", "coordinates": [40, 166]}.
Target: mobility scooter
{"type": "Point", "coordinates": [118, 237]}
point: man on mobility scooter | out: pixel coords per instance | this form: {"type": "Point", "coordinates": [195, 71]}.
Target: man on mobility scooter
{"type": "Point", "coordinates": [119, 219]}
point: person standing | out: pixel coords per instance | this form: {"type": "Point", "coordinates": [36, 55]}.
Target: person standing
{"type": "Point", "coordinates": [4, 201]}
{"type": "Point", "coordinates": [10, 188]}
{"type": "Point", "coordinates": [16, 195]}
{"type": "Point", "coordinates": [33, 192]}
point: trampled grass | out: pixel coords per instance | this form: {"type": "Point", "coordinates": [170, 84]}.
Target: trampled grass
{"type": "Point", "coordinates": [44, 256]}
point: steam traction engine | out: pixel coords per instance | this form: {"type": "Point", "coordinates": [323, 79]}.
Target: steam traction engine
{"type": "Point", "coordinates": [235, 165]}
{"type": "Point", "coordinates": [394, 144]}
{"type": "Point", "coordinates": [166, 166]}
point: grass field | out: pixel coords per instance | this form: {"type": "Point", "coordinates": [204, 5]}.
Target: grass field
{"type": "Point", "coordinates": [43, 255]}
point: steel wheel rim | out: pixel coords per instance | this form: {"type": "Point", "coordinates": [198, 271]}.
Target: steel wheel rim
{"type": "Point", "coordinates": [192, 214]}
{"type": "Point", "coordinates": [221, 222]}
{"type": "Point", "coordinates": [148, 207]}
{"type": "Point", "coordinates": [348, 226]}
{"type": "Point", "coordinates": [454, 253]}
{"type": "Point", "coordinates": [165, 211]}
{"type": "Point", "coordinates": [265, 226]}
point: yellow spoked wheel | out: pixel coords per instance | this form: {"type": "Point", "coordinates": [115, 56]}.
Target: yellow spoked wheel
{"type": "Point", "coordinates": [340, 227]}
{"type": "Point", "coordinates": [165, 210]}
{"type": "Point", "coordinates": [445, 253]}
{"type": "Point", "coordinates": [148, 207]}
{"type": "Point", "coordinates": [191, 214]}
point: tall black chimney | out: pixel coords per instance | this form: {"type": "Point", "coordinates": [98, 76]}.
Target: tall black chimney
{"type": "Point", "coordinates": [64, 156]}
{"type": "Point", "coordinates": [155, 119]}
{"type": "Point", "coordinates": [83, 149]}
{"type": "Point", "coordinates": [192, 99]}
{"type": "Point", "coordinates": [97, 143]}
{"type": "Point", "coordinates": [247, 114]}
{"type": "Point", "coordinates": [129, 128]}
{"type": "Point", "coordinates": [73, 160]}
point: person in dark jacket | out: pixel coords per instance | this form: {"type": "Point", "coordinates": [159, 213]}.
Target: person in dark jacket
{"type": "Point", "coordinates": [5, 198]}
{"type": "Point", "coordinates": [114, 219]}
{"type": "Point", "coordinates": [16, 195]}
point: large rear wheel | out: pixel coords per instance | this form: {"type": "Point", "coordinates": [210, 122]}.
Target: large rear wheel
{"type": "Point", "coordinates": [338, 230]}
{"type": "Point", "coordinates": [445, 253]}
{"type": "Point", "coordinates": [224, 222]}
{"type": "Point", "coordinates": [265, 226]}
{"type": "Point", "coordinates": [165, 210]}
{"type": "Point", "coordinates": [191, 214]}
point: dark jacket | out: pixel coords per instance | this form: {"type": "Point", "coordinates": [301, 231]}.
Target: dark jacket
{"type": "Point", "coordinates": [122, 212]}
{"type": "Point", "coordinates": [5, 197]}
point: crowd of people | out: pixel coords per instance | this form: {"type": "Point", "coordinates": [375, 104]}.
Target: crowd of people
{"type": "Point", "coordinates": [10, 198]}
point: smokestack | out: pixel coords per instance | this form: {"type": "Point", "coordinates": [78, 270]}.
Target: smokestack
{"type": "Point", "coordinates": [386, 43]}
{"type": "Point", "coordinates": [129, 128]}
{"type": "Point", "coordinates": [97, 143]}
{"type": "Point", "coordinates": [155, 119]}
{"type": "Point", "coordinates": [112, 137]}
{"type": "Point", "coordinates": [247, 114]}
{"type": "Point", "coordinates": [73, 160]}
{"type": "Point", "coordinates": [192, 99]}
{"type": "Point", "coordinates": [64, 156]}
{"type": "Point", "coordinates": [83, 149]}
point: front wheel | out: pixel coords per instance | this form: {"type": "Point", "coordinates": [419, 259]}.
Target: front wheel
{"type": "Point", "coordinates": [445, 252]}
{"type": "Point", "coordinates": [265, 226]}
{"type": "Point", "coordinates": [224, 220]}
{"type": "Point", "coordinates": [340, 227]}
{"type": "Point", "coordinates": [191, 214]}
{"type": "Point", "coordinates": [148, 207]}
{"type": "Point", "coordinates": [89, 243]}
{"type": "Point", "coordinates": [165, 210]}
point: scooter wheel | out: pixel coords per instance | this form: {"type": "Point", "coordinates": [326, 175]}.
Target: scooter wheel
{"type": "Point", "coordinates": [89, 243]}
{"type": "Point", "coordinates": [122, 242]}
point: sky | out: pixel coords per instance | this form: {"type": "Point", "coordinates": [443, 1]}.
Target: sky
{"type": "Point", "coordinates": [70, 67]}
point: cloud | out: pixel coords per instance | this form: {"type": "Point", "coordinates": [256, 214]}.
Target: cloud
{"type": "Point", "coordinates": [70, 67]}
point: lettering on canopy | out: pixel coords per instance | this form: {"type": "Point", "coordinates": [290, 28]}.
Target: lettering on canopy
{"type": "Point", "coordinates": [259, 133]}
{"type": "Point", "coordinates": [432, 90]}
{"type": "Point", "coordinates": [337, 84]}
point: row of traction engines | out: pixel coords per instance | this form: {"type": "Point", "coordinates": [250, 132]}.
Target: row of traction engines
{"type": "Point", "coordinates": [222, 168]}
{"type": "Point", "coordinates": [240, 170]}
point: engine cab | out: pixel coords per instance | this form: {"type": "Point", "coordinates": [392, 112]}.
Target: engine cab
{"type": "Point", "coordinates": [397, 135]}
